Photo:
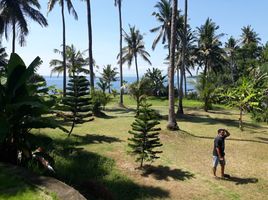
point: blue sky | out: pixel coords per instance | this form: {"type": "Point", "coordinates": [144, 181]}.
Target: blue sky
{"type": "Point", "coordinates": [230, 15]}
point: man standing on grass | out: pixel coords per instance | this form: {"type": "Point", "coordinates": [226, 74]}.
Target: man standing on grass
{"type": "Point", "coordinates": [218, 152]}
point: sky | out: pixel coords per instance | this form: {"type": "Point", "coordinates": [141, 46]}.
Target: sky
{"type": "Point", "coordinates": [230, 15]}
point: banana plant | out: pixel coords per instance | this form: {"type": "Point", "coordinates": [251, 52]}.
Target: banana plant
{"type": "Point", "coordinates": [24, 105]}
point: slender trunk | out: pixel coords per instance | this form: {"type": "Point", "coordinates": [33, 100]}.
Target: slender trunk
{"type": "Point", "coordinates": [185, 44]}
{"type": "Point", "coordinates": [64, 49]}
{"type": "Point", "coordinates": [71, 129]}
{"type": "Point", "coordinates": [178, 79]}
{"type": "Point", "coordinates": [120, 61]}
{"type": "Point", "coordinates": [90, 56]}
{"type": "Point", "coordinates": [185, 84]}
{"type": "Point", "coordinates": [109, 87]}
{"type": "Point", "coordinates": [240, 119]}
{"type": "Point", "coordinates": [14, 35]}
{"type": "Point", "coordinates": [180, 106]}
{"type": "Point", "coordinates": [172, 124]}
{"type": "Point", "coordinates": [137, 70]}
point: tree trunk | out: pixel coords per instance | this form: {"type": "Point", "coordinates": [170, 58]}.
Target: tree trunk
{"type": "Point", "coordinates": [120, 61]}
{"type": "Point", "coordinates": [64, 49]}
{"type": "Point", "coordinates": [90, 56]}
{"type": "Point", "coordinates": [137, 70]}
{"type": "Point", "coordinates": [240, 119]}
{"type": "Point", "coordinates": [172, 124]}
{"type": "Point", "coordinates": [185, 84]}
{"type": "Point", "coordinates": [185, 44]}
{"type": "Point", "coordinates": [180, 106]}
{"type": "Point", "coordinates": [14, 35]}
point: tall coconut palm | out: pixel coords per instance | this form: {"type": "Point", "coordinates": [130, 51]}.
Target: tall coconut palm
{"type": "Point", "coordinates": [249, 35]}
{"type": "Point", "coordinates": [13, 15]}
{"type": "Point", "coordinates": [51, 4]}
{"type": "Point", "coordinates": [90, 54]}
{"type": "Point", "coordinates": [135, 46]}
{"type": "Point", "coordinates": [163, 16]}
{"type": "Point", "coordinates": [119, 4]}
{"type": "Point", "coordinates": [172, 124]}
{"type": "Point", "coordinates": [75, 61]}
{"type": "Point", "coordinates": [210, 54]}
{"type": "Point", "coordinates": [231, 47]}
{"type": "Point", "coordinates": [183, 55]}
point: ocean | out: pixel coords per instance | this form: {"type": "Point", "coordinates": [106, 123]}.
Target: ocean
{"type": "Point", "coordinates": [58, 82]}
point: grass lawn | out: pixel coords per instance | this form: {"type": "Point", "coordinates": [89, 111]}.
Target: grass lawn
{"type": "Point", "coordinates": [95, 160]}
{"type": "Point", "coordinates": [14, 188]}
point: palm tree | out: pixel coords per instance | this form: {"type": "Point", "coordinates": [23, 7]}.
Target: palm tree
{"type": "Point", "coordinates": [172, 124]}
{"type": "Point", "coordinates": [71, 9]}
{"type": "Point", "coordinates": [210, 53]}
{"type": "Point", "coordinates": [109, 76]}
{"type": "Point", "coordinates": [249, 35]}
{"type": "Point", "coordinates": [231, 47]}
{"type": "Point", "coordinates": [183, 54]}
{"type": "Point", "coordinates": [135, 46]}
{"type": "Point", "coordinates": [13, 14]}
{"type": "Point", "coordinates": [163, 16]}
{"type": "Point", "coordinates": [157, 81]}
{"type": "Point", "coordinates": [119, 4]}
{"type": "Point", "coordinates": [75, 62]}
{"type": "Point", "coordinates": [90, 54]}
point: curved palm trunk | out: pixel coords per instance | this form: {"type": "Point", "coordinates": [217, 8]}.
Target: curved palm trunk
{"type": "Point", "coordinates": [120, 62]}
{"type": "Point", "coordinates": [90, 56]}
{"type": "Point", "coordinates": [172, 124]}
{"type": "Point", "coordinates": [137, 70]}
{"type": "Point", "coordinates": [14, 35]}
{"type": "Point", "coordinates": [64, 49]}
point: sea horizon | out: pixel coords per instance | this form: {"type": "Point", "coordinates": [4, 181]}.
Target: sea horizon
{"type": "Point", "coordinates": [57, 81]}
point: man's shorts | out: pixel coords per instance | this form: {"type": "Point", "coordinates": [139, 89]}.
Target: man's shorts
{"type": "Point", "coordinates": [216, 161]}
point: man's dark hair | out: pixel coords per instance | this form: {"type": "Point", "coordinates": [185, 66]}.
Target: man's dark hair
{"type": "Point", "coordinates": [220, 130]}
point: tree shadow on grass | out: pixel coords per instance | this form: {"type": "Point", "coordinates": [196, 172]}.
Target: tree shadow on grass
{"type": "Point", "coordinates": [262, 138]}
{"type": "Point", "coordinates": [74, 140]}
{"type": "Point", "coordinates": [231, 139]}
{"type": "Point", "coordinates": [241, 181]}
{"type": "Point", "coordinates": [121, 110]}
{"type": "Point", "coordinates": [95, 139]}
{"type": "Point", "coordinates": [165, 173]}
{"type": "Point", "coordinates": [95, 177]}
{"type": "Point", "coordinates": [207, 120]}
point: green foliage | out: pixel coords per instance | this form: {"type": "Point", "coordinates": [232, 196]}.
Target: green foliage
{"type": "Point", "coordinates": [75, 61]}
{"type": "Point", "coordinates": [24, 105]}
{"type": "Point", "coordinates": [246, 96]}
{"type": "Point", "coordinates": [102, 84]}
{"type": "Point", "coordinates": [99, 101]}
{"type": "Point", "coordinates": [77, 101]}
{"type": "Point", "coordinates": [139, 89]}
{"type": "Point", "coordinates": [157, 82]}
{"type": "Point", "coordinates": [108, 76]}
{"type": "Point", "coordinates": [145, 136]}
{"type": "Point", "coordinates": [206, 87]}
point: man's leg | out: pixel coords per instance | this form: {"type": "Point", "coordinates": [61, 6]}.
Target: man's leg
{"type": "Point", "coordinates": [222, 163]}
{"type": "Point", "coordinates": [215, 163]}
